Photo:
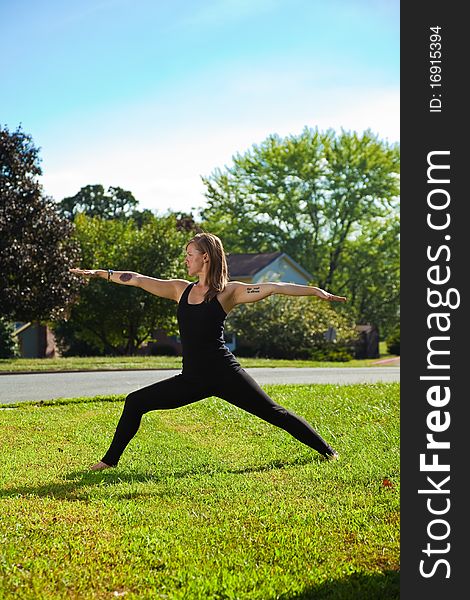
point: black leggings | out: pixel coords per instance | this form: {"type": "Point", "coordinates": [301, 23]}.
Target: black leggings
{"type": "Point", "coordinates": [236, 386]}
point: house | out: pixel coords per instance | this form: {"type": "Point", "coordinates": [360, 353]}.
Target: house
{"type": "Point", "coordinates": [35, 341]}
{"type": "Point", "coordinates": [266, 266]}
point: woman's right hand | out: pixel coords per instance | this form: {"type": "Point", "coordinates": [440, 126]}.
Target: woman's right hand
{"type": "Point", "coordinates": [87, 272]}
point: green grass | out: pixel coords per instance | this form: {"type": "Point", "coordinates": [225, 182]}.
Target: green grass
{"type": "Point", "coordinates": [208, 502]}
{"type": "Point", "coordinates": [93, 363]}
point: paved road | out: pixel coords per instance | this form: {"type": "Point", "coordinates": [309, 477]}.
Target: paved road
{"type": "Point", "coordinates": [46, 386]}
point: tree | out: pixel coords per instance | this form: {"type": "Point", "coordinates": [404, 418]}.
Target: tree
{"type": "Point", "coordinates": [186, 222]}
{"type": "Point", "coordinates": [95, 202]}
{"type": "Point", "coordinates": [312, 196]}
{"type": "Point", "coordinates": [371, 273]}
{"type": "Point", "coordinates": [114, 319]}
{"type": "Point", "coordinates": [36, 247]}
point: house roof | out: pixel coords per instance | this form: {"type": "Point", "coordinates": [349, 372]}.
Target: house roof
{"type": "Point", "coordinates": [247, 265]}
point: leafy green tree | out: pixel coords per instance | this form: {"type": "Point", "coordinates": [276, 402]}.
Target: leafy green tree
{"type": "Point", "coordinates": [293, 327]}
{"type": "Point", "coordinates": [371, 273]}
{"type": "Point", "coordinates": [312, 196]}
{"type": "Point", "coordinates": [92, 200]}
{"type": "Point", "coordinates": [115, 203]}
{"type": "Point", "coordinates": [36, 245]}
{"type": "Point", "coordinates": [114, 319]}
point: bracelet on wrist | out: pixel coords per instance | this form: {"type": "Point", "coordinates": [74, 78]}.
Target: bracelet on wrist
{"type": "Point", "coordinates": [110, 273]}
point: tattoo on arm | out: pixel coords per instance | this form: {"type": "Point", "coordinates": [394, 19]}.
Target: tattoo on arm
{"type": "Point", "coordinates": [125, 276]}
{"type": "Point", "coordinates": [252, 290]}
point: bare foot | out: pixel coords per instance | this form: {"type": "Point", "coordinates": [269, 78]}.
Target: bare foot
{"type": "Point", "coordinates": [334, 456]}
{"type": "Point", "coordinates": [100, 466]}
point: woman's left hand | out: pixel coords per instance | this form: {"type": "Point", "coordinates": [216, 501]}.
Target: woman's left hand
{"type": "Point", "coordinates": [331, 297]}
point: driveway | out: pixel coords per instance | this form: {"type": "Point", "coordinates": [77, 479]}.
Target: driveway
{"type": "Point", "coordinates": [47, 386]}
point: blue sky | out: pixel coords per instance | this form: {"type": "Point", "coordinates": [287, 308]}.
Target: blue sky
{"type": "Point", "coordinates": [150, 95]}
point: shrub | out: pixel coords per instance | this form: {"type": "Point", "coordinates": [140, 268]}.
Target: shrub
{"type": "Point", "coordinates": [162, 350]}
{"type": "Point", "coordinates": [8, 346]}
{"type": "Point", "coordinates": [332, 354]}
{"type": "Point", "coordinates": [292, 327]}
{"type": "Point", "coordinates": [393, 342]}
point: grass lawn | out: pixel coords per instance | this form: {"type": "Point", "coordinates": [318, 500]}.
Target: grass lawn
{"type": "Point", "coordinates": [77, 363]}
{"type": "Point", "coordinates": [95, 363]}
{"type": "Point", "coordinates": [208, 502]}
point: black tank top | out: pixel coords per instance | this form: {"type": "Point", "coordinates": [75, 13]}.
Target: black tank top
{"type": "Point", "coordinates": [202, 336]}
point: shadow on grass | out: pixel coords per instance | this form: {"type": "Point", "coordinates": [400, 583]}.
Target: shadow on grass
{"type": "Point", "coordinates": [357, 586]}
{"type": "Point", "coordinates": [77, 480]}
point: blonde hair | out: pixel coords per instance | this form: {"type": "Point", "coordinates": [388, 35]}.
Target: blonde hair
{"type": "Point", "coordinates": [217, 277]}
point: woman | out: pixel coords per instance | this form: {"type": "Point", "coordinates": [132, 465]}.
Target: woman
{"type": "Point", "coordinates": [209, 368]}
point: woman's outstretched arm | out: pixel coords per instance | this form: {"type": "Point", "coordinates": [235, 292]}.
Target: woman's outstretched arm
{"type": "Point", "coordinates": [165, 288]}
{"type": "Point", "coordinates": [245, 292]}
{"type": "Point", "coordinates": [294, 289]}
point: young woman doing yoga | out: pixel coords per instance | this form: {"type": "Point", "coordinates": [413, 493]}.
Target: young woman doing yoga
{"type": "Point", "coordinates": [209, 368]}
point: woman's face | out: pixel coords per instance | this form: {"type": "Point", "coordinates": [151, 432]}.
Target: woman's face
{"type": "Point", "coordinates": [195, 259]}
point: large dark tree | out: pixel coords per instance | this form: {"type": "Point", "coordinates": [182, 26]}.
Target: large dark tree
{"type": "Point", "coordinates": [36, 248]}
